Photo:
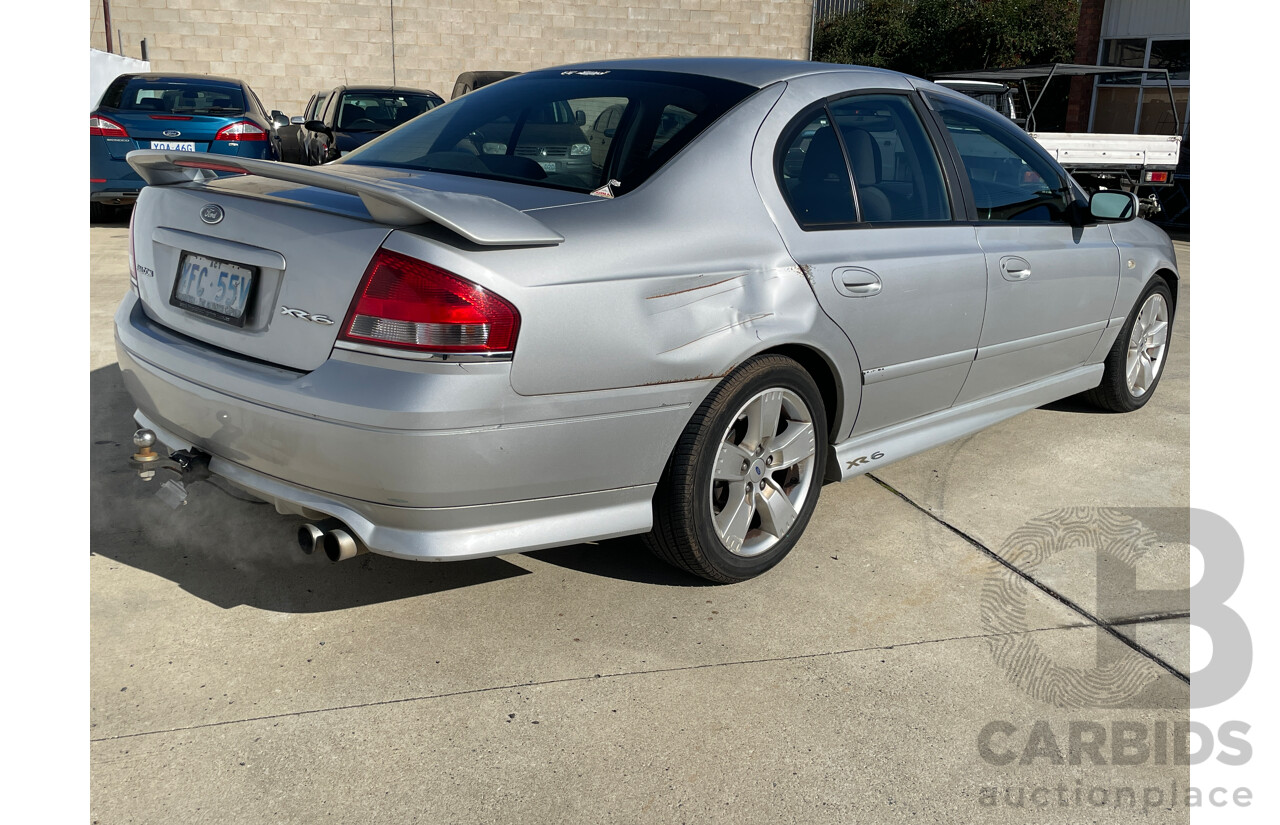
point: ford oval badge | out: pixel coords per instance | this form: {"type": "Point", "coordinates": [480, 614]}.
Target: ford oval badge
{"type": "Point", "coordinates": [172, 133]}
{"type": "Point", "coordinates": [211, 213]}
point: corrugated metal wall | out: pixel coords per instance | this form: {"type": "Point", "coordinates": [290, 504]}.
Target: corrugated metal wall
{"type": "Point", "coordinates": [1146, 18]}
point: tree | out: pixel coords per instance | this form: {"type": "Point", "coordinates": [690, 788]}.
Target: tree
{"type": "Point", "coordinates": [921, 37]}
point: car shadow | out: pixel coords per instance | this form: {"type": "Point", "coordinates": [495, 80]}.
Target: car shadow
{"type": "Point", "coordinates": [1075, 404]}
{"type": "Point", "coordinates": [231, 551]}
{"type": "Point", "coordinates": [626, 559]}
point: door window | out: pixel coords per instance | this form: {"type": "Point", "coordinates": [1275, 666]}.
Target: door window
{"type": "Point", "coordinates": [896, 173]}
{"type": "Point", "coordinates": [814, 175]}
{"type": "Point", "coordinates": [1012, 178]}
{"type": "Point", "coordinates": [872, 145]}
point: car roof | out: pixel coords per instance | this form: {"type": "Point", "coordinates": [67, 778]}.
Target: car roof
{"type": "Point", "coordinates": [383, 89]}
{"type": "Point", "coordinates": [753, 71]}
{"type": "Point", "coordinates": [171, 76]}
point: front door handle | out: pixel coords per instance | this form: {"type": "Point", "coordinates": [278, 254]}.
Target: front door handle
{"type": "Point", "coordinates": [1015, 269]}
{"type": "Point", "coordinates": [856, 282]}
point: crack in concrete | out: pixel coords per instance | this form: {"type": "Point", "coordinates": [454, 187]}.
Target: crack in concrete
{"type": "Point", "coordinates": [571, 679]}
{"type": "Point", "coordinates": [1108, 627]}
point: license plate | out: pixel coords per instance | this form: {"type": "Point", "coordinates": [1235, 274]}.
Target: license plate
{"type": "Point", "coordinates": [213, 288]}
{"type": "Point", "coordinates": [547, 165]}
{"type": "Point", "coordinates": [174, 145]}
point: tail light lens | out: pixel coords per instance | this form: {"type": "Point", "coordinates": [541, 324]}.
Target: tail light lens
{"type": "Point", "coordinates": [241, 130]}
{"type": "Point", "coordinates": [106, 127]}
{"type": "Point", "coordinates": [407, 303]}
{"type": "Point", "coordinates": [133, 258]}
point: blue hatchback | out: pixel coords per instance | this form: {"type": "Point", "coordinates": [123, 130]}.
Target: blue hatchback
{"type": "Point", "coordinates": [178, 113]}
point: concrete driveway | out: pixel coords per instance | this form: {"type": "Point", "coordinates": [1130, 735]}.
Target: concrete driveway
{"type": "Point", "coordinates": [907, 662]}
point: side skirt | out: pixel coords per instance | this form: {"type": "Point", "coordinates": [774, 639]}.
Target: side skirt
{"type": "Point", "coordinates": [876, 449]}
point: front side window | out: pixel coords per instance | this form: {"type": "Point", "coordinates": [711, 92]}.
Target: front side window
{"type": "Point", "coordinates": [316, 106]}
{"type": "Point", "coordinates": [1012, 179]}
{"type": "Point", "coordinates": [574, 130]}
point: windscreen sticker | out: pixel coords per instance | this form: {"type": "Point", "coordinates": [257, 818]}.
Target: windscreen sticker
{"type": "Point", "coordinates": [586, 72]}
{"type": "Point", "coordinates": [606, 191]}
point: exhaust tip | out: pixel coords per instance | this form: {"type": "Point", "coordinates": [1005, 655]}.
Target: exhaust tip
{"type": "Point", "coordinates": [309, 538]}
{"type": "Point", "coordinates": [339, 545]}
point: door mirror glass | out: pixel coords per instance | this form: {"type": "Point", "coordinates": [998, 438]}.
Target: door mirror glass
{"type": "Point", "coordinates": [1113, 206]}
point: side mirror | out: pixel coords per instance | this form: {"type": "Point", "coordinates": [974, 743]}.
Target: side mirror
{"type": "Point", "coordinates": [279, 118]}
{"type": "Point", "coordinates": [1113, 206]}
{"type": "Point", "coordinates": [317, 126]}
{"type": "Point", "coordinates": [297, 121]}
{"type": "Point", "coordinates": [580, 118]}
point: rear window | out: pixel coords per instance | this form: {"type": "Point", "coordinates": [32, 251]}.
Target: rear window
{"type": "Point", "coordinates": [572, 129]}
{"type": "Point", "coordinates": [186, 97]}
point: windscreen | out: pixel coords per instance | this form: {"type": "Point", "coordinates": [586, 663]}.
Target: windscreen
{"type": "Point", "coordinates": [174, 97]}
{"type": "Point", "coordinates": [574, 129]}
{"type": "Point", "coordinates": [373, 111]}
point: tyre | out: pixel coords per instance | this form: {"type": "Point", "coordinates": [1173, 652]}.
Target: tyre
{"type": "Point", "coordinates": [745, 475]}
{"type": "Point", "coordinates": [1136, 361]}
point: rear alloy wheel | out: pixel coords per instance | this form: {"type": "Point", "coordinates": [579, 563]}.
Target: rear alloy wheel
{"type": "Point", "coordinates": [745, 476]}
{"type": "Point", "coordinates": [1136, 361]}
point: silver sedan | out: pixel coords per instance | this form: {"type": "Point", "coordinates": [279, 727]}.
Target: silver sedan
{"type": "Point", "coordinates": [483, 333]}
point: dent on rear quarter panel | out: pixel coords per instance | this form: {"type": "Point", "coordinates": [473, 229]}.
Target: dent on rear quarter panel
{"type": "Point", "coordinates": [680, 280]}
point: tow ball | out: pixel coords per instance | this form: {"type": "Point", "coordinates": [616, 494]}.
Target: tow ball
{"type": "Point", "coordinates": [181, 467]}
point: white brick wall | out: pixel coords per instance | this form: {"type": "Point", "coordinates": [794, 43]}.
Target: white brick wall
{"type": "Point", "coordinates": [287, 49]}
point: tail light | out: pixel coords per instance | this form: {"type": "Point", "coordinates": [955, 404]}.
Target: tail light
{"type": "Point", "coordinates": [241, 130]}
{"type": "Point", "coordinates": [106, 127]}
{"type": "Point", "coordinates": [133, 258]}
{"type": "Point", "coordinates": [409, 304]}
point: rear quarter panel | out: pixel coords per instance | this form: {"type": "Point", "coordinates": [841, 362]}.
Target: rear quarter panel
{"type": "Point", "coordinates": [681, 280]}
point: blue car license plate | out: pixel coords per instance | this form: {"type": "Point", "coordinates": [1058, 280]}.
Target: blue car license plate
{"type": "Point", "coordinates": [215, 289]}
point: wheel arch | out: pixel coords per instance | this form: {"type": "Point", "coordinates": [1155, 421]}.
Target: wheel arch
{"type": "Point", "coordinates": [824, 374]}
{"type": "Point", "coordinates": [1171, 279]}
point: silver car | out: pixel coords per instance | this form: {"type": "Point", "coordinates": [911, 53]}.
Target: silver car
{"type": "Point", "coordinates": [778, 274]}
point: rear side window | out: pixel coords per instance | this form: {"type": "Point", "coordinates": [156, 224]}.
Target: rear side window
{"type": "Point", "coordinates": [1011, 177]}
{"type": "Point", "coordinates": [173, 96]}
{"type": "Point", "coordinates": [575, 129]}
{"type": "Point", "coordinates": [895, 169]}
{"type": "Point", "coordinates": [814, 174]}
{"type": "Point", "coordinates": [873, 147]}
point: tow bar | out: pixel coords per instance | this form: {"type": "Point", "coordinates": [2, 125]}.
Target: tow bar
{"type": "Point", "coordinates": [186, 466]}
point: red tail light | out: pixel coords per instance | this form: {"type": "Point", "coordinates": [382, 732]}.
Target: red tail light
{"type": "Point", "coordinates": [241, 130]}
{"type": "Point", "coordinates": [105, 127]}
{"type": "Point", "coordinates": [407, 303]}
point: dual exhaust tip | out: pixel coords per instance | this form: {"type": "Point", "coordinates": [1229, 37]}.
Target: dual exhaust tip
{"type": "Point", "coordinates": [333, 537]}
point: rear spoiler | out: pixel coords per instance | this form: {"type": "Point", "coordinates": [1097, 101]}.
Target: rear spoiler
{"type": "Point", "coordinates": [477, 218]}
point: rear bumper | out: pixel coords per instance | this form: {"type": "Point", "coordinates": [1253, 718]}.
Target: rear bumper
{"type": "Point", "coordinates": [448, 533]}
{"type": "Point", "coordinates": [420, 460]}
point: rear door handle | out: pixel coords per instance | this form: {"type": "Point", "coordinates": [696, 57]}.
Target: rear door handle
{"type": "Point", "coordinates": [1015, 269]}
{"type": "Point", "coordinates": [856, 282]}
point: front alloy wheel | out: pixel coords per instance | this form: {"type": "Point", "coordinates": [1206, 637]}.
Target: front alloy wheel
{"type": "Point", "coordinates": [1148, 342]}
{"type": "Point", "coordinates": [1136, 361]}
{"type": "Point", "coordinates": [744, 478]}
